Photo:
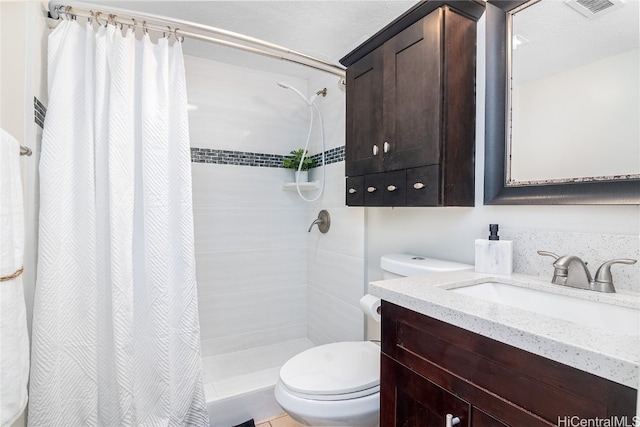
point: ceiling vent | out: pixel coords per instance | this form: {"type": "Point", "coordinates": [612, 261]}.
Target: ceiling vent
{"type": "Point", "coordinates": [592, 8]}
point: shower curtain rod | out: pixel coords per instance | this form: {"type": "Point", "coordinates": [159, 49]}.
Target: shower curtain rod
{"type": "Point", "coordinates": [180, 28]}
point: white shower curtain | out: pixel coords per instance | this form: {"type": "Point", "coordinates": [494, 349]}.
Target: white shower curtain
{"type": "Point", "coordinates": [115, 322]}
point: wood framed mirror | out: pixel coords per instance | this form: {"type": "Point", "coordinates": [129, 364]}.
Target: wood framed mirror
{"type": "Point", "coordinates": [499, 186]}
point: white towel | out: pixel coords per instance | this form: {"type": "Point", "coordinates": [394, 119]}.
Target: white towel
{"type": "Point", "coordinates": [14, 339]}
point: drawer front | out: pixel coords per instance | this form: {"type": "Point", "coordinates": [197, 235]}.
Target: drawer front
{"type": "Point", "coordinates": [373, 189]}
{"type": "Point", "coordinates": [385, 189]}
{"type": "Point", "coordinates": [355, 191]}
{"type": "Point", "coordinates": [423, 186]}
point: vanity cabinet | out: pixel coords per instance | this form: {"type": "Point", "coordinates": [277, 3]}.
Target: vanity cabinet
{"type": "Point", "coordinates": [411, 110]}
{"type": "Point", "coordinates": [430, 368]}
{"type": "Point", "coordinates": [417, 401]}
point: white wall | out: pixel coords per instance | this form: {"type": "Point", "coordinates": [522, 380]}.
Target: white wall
{"type": "Point", "coordinates": [23, 36]}
{"type": "Point", "coordinates": [449, 233]}
{"type": "Point", "coordinates": [23, 76]}
{"type": "Point", "coordinates": [250, 235]}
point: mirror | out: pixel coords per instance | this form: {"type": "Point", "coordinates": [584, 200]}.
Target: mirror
{"type": "Point", "coordinates": [563, 106]}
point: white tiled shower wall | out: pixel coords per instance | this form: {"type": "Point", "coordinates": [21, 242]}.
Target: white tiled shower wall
{"type": "Point", "coordinates": [262, 278]}
{"type": "Point", "coordinates": [250, 235]}
{"type": "Point", "coordinates": [336, 259]}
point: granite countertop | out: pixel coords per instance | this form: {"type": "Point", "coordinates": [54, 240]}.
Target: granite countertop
{"type": "Point", "coordinates": [612, 356]}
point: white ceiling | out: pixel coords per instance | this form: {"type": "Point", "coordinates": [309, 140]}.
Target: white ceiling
{"type": "Point", "coordinates": [329, 29]}
{"type": "Point", "coordinates": [325, 29]}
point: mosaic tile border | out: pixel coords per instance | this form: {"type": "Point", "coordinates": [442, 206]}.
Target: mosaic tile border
{"type": "Point", "coordinates": [333, 155]}
{"type": "Point", "coordinates": [39, 112]}
{"type": "Point", "coordinates": [244, 158]}
{"type": "Point", "coordinates": [239, 158]}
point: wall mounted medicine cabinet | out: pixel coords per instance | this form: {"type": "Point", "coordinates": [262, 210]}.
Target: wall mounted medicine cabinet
{"type": "Point", "coordinates": [411, 109]}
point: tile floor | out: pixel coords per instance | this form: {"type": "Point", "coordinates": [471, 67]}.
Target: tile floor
{"type": "Point", "coordinates": [282, 420]}
{"type": "Point", "coordinates": [233, 374]}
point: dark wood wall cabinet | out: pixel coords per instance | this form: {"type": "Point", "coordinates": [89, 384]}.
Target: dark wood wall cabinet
{"type": "Point", "coordinates": [411, 109]}
{"type": "Point", "coordinates": [430, 369]}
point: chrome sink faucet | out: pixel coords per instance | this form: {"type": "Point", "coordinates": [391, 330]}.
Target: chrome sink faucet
{"type": "Point", "coordinates": [569, 270]}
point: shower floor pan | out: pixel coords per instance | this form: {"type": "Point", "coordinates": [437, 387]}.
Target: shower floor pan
{"type": "Point", "coordinates": [239, 386]}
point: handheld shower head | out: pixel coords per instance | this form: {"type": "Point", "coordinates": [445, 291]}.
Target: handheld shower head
{"type": "Point", "coordinates": [312, 107]}
{"type": "Point", "coordinates": [286, 86]}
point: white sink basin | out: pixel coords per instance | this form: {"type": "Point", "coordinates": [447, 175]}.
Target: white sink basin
{"type": "Point", "coordinates": [612, 318]}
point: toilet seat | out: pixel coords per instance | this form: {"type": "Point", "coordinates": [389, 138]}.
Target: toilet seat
{"type": "Point", "coordinates": [333, 397]}
{"type": "Point", "coordinates": [336, 371]}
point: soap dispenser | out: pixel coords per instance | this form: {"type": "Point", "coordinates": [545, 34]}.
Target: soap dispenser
{"type": "Point", "coordinates": [493, 255]}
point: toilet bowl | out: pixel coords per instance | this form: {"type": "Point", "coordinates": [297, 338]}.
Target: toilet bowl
{"type": "Point", "coordinates": [334, 384]}
{"type": "Point", "coordinates": [338, 384]}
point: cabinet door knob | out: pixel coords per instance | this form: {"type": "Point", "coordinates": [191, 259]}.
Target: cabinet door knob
{"type": "Point", "coordinates": [418, 186]}
{"type": "Point", "coordinates": [451, 421]}
{"type": "Point", "coordinates": [371, 189]}
{"type": "Point", "coordinates": [386, 146]}
{"type": "Point", "coordinates": [375, 149]}
{"type": "Point", "coordinates": [352, 191]}
{"type": "Point", "coordinates": [391, 188]}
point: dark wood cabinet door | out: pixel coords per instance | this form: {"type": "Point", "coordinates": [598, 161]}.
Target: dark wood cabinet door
{"type": "Point", "coordinates": [364, 116]}
{"type": "Point", "coordinates": [413, 401]}
{"type": "Point", "coordinates": [481, 419]}
{"type": "Point", "coordinates": [413, 95]}
{"type": "Point", "coordinates": [411, 104]}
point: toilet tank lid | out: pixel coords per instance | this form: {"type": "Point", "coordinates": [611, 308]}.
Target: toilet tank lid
{"type": "Point", "coordinates": [414, 265]}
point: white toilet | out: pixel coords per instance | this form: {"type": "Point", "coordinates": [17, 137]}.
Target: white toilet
{"type": "Point", "coordinates": [338, 384]}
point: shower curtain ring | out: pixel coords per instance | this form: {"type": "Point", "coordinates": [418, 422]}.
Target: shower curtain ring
{"type": "Point", "coordinates": [112, 19]}
{"type": "Point", "coordinates": [144, 28]}
{"type": "Point", "coordinates": [61, 9]}
{"type": "Point", "coordinates": [98, 19]}
{"type": "Point", "coordinates": [178, 36]}
{"type": "Point", "coordinates": [64, 13]}
{"type": "Point", "coordinates": [134, 24]}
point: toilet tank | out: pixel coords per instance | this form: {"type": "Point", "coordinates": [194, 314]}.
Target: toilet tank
{"type": "Point", "coordinates": [404, 265]}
